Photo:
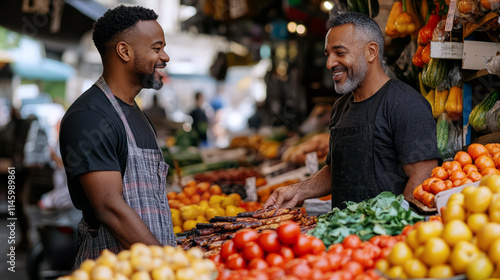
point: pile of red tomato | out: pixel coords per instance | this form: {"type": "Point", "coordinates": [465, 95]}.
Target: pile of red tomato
{"type": "Point", "coordinates": [288, 254]}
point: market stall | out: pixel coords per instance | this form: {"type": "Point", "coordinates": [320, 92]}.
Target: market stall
{"type": "Point", "coordinates": [451, 230]}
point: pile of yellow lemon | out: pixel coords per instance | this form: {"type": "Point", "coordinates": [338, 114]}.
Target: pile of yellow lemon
{"type": "Point", "coordinates": [467, 241]}
{"type": "Point", "coordinates": [186, 217]}
{"type": "Point", "coordinates": [143, 262]}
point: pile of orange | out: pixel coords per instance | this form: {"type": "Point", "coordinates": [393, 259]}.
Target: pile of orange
{"type": "Point", "coordinates": [466, 167]}
{"type": "Point", "coordinates": [193, 193]}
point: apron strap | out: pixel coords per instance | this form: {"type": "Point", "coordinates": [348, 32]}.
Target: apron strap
{"type": "Point", "coordinates": [101, 83]}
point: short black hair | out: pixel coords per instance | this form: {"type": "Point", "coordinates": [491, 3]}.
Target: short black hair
{"type": "Point", "coordinates": [116, 21]}
{"type": "Point", "coordinates": [371, 31]}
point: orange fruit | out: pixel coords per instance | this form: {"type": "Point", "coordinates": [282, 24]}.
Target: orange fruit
{"type": "Point", "coordinates": [466, 181]}
{"type": "Point", "coordinates": [206, 195]}
{"type": "Point", "coordinates": [490, 170]}
{"type": "Point", "coordinates": [438, 186]}
{"type": "Point", "coordinates": [463, 157]}
{"type": "Point", "coordinates": [454, 166]}
{"type": "Point", "coordinates": [181, 196]}
{"type": "Point", "coordinates": [202, 187]}
{"type": "Point", "coordinates": [493, 148]}
{"type": "Point", "coordinates": [446, 165]}
{"type": "Point", "coordinates": [171, 195]}
{"type": "Point", "coordinates": [215, 189]}
{"type": "Point", "coordinates": [468, 168]}
{"type": "Point", "coordinates": [496, 159]}
{"type": "Point", "coordinates": [417, 192]}
{"type": "Point", "coordinates": [428, 199]}
{"type": "Point", "coordinates": [458, 175]}
{"type": "Point", "coordinates": [440, 173]}
{"type": "Point", "coordinates": [195, 199]}
{"type": "Point", "coordinates": [476, 150]}
{"type": "Point", "coordinates": [474, 176]}
{"type": "Point", "coordinates": [189, 191]}
{"type": "Point", "coordinates": [449, 184]}
{"type": "Point", "coordinates": [426, 185]}
{"type": "Point", "coordinates": [484, 161]}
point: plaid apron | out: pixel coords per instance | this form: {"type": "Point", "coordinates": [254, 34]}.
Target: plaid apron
{"type": "Point", "coordinates": [144, 191]}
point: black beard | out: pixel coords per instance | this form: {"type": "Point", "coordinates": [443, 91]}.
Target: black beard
{"type": "Point", "coordinates": [150, 81]}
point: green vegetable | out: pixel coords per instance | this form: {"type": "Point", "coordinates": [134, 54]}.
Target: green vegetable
{"type": "Point", "coordinates": [442, 131]}
{"type": "Point", "coordinates": [382, 214]}
{"type": "Point", "coordinates": [477, 118]}
{"type": "Point", "coordinates": [361, 6]}
{"type": "Point", "coordinates": [435, 72]}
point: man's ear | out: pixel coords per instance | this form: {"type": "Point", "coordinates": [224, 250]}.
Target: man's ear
{"type": "Point", "coordinates": [123, 50]}
{"type": "Point", "coordinates": [372, 51]}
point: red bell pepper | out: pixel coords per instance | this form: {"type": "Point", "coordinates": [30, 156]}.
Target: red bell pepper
{"type": "Point", "coordinates": [417, 57]}
{"type": "Point", "coordinates": [425, 33]}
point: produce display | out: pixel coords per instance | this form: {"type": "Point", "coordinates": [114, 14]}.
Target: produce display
{"type": "Point", "coordinates": [231, 176]}
{"type": "Point", "coordinates": [198, 203]}
{"type": "Point", "coordinates": [146, 262]}
{"type": "Point", "coordinates": [210, 236]}
{"type": "Point", "coordinates": [467, 167]}
{"type": "Point", "coordinates": [312, 143]}
{"type": "Point", "coordinates": [381, 215]}
{"type": "Point", "coordinates": [467, 242]}
{"type": "Point", "coordinates": [263, 194]}
{"type": "Point", "coordinates": [477, 118]}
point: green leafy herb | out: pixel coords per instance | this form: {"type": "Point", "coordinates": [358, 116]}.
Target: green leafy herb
{"type": "Point", "coordinates": [382, 214]}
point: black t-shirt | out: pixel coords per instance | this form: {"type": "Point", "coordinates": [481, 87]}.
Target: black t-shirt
{"type": "Point", "coordinates": [93, 138]}
{"type": "Point", "coordinates": [404, 132]}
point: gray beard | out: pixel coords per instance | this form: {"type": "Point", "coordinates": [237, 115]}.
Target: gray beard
{"type": "Point", "coordinates": [353, 79]}
{"type": "Point", "coordinates": [150, 81]}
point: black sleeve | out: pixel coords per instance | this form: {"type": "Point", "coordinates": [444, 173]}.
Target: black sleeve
{"type": "Point", "coordinates": [90, 142]}
{"type": "Point", "coordinates": [414, 131]}
{"type": "Point", "coordinates": [328, 160]}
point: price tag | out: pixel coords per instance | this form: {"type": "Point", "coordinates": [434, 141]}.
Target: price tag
{"type": "Point", "coordinates": [451, 16]}
{"type": "Point", "coordinates": [251, 189]}
{"type": "Point", "coordinates": [312, 165]}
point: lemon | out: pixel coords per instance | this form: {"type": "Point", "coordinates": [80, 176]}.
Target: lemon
{"type": "Point", "coordinates": [124, 267]}
{"type": "Point", "coordinates": [400, 253]}
{"type": "Point", "coordinates": [201, 219]}
{"type": "Point", "coordinates": [176, 217]}
{"type": "Point", "coordinates": [177, 229]}
{"type": "Point", "coordinates": [492, 182]}
{"type": "Point", "coordinates": [220, 211]}
{"type": "Point", "coordinates": [231, 210]}
{"type": "Point", "coordinates": [189, 212]}
{"type": "Point", "coordinates": [456, 198]}
{"type": "Point", "coordinates": [478, 201]}
{"type": "Point", "coordinates": [455, 231]}
{"type": "Point", "coordinates": [189, 224]}
{"type": "Point", "coordinates": [102, 272]}
{"type": "Point", "coordinates": [215, 200]}
{"type": "Point", "coordinates": [476, 221]}
{"type": "Point", "coordinates": [210, 213]}
{"type": "Point", "coordinates": [226, 201]}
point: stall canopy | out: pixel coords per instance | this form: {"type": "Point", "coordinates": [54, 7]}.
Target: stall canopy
{"type": "Point", "coordinates": [63, 21]}
{"type": "Point", "coordinates": [45, 69]}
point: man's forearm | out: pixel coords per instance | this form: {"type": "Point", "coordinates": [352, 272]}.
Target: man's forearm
{"type": "Point", "coordinates": [125, 225]}
{"type": "Point", "coordinates": [319, 185]}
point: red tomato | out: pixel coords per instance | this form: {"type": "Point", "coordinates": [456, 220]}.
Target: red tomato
{"type": "Point", "coordinates": [347, 252]}
{"type": "Point", "coordinates": [363, 277]}
{"type": "Point", "coordinates": [363, 257]}
{"type": "Point", "coordinates": [323, 264]}
{"type": "Point", "coordinates": [391, 242]}
{"type": "Point", "coordinates": [274, 259]}
{"type": "Point", "coordinates": [286, 253]}
{"type": "Point", "coordinates": [227, 249]}
{"type": "Point", "coordinates": [258, 275]}
{"type": "Point", "coordinates": [224, 274]}
{"type": "Point", "coordinates": [257, 264]}
{"type": "Point", "coordinates": [290, 277]}
{"type": "Point", "coordinates": [317, 246]}
{"type": "Point", "coordinates": [351, 241]}
{"type": "Point", "coordinates": [336, 248]}
{"type": "Point", "coordinates": [275, 272]}
{"type": "Point", "coordinates": [334, 260]}
{"type": "Point", "coordinates": [288, 233]}
{"type": "Point", "coordinates": [216, 259]}
{"type": "Point", "coordinates": [373, 251]}
{"type": "Point", "coordinates": [407, 229]}
{"type": "Point", "coordinates": [372, 273]}
{"type": "Point", "coordinates": [269, 242]}
{"type": "Point", "coordinates": [316, 274]}
{"type": "Point", "coordinates": [338, 275]}
{"type": "Point", "coordinates": [353, 267]}
{"type": "Point", "coordinates": [302, 246]}
{"type": "Point", "coordinates": [375, 240]}
{"type": "Point", "coordinates": [243, 237]}
{"type": "Point", "coordinates": [252, 251]}
{"type": "Point", "coordinates": [385, 252]}
{"type": "Point", "coordinates": [235, 262]}
{"type": "Point", "coordinates": [299, 268]}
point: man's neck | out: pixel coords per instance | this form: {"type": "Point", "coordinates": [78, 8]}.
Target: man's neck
{"type": "Point", "coordinates": [122, 88]}
{"type": "Point", "coordinates": [370, 86]}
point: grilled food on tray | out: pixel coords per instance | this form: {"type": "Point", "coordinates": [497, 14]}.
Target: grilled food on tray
{"type": "Point", "coordinates": [210, 236]}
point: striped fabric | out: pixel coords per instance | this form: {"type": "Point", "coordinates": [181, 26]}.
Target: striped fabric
{"type": "Point", "coordinates": [144, 184]}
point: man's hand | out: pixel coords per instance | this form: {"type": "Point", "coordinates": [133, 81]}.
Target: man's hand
{"type": "Point", "coordinates": [284, 197]}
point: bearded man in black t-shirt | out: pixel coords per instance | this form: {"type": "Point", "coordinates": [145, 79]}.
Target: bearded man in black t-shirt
{"type": "Point", "coordinates": [116, 171]}
{"type": "Point", "coordinates": [382, 134]}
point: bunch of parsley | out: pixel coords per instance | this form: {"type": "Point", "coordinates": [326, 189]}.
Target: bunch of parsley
{"type": "Point", "coordinates": [382, 214]}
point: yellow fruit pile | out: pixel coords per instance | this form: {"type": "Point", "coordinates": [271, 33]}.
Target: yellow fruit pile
{"type": "Point", "coordinates": [143, 262]}
{"type": "Point", "coordinates": [186, 217]}
{"type": "Point", "coordinates": [468, 240]}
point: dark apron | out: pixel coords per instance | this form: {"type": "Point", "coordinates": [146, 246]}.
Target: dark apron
{"type": "Point", "coordinates": [352, 161]}
{"type": "Point", "coordinates": [144, 191]}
